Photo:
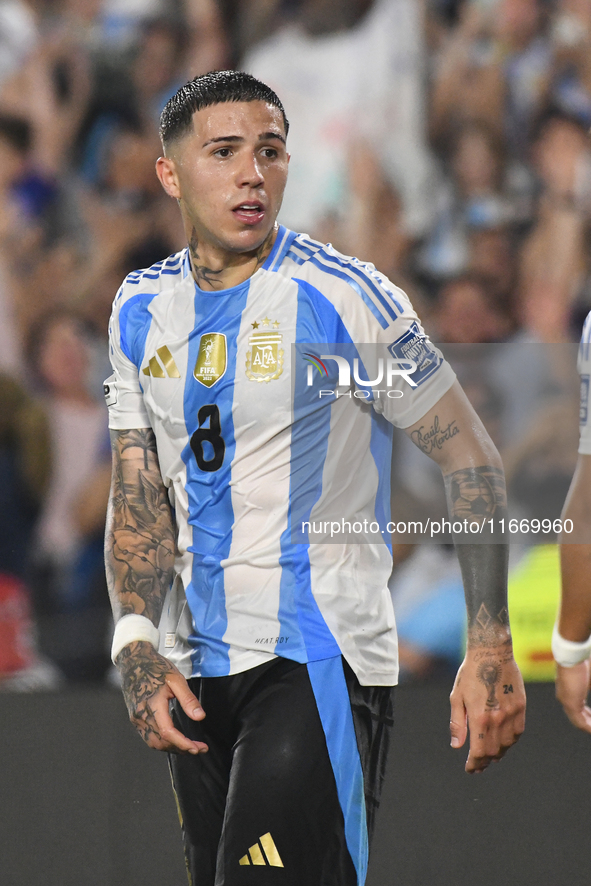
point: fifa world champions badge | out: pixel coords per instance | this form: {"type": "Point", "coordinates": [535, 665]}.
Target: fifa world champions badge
{"type": "Point", "coordinates": [264, 361]}
{"type": "Point", "coordinates": [212, 358]}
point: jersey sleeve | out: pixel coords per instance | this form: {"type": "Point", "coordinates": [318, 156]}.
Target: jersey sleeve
{"type": "Point", "coordinates": [584, 367]}
{"type": "Point", "coordinates": [416, 375]}
{"type": "Point", "coordinates": [422, 386]}
{"type": "Point", "coordinates": [123, 394]}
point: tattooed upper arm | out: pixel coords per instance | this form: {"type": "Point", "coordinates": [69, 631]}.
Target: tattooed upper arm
{"type": "Point", "coordinates": [140, 536]}
{"type": "Point", "coordinates": [433, 437]}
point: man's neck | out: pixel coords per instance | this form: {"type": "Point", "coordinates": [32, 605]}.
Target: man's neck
{"type": "Point", "coordinates": [223, 271]}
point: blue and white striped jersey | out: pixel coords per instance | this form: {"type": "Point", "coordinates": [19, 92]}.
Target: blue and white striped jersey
{"type": "Point", "coordinates": [584, 367]}
{"type": "Point", "coordinates": [259, 438]}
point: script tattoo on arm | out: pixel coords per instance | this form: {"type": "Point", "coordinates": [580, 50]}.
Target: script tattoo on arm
{"type": "Point", "coordinates": [435, 437]}
{"type": "Point", "coordinates": [140, 537]}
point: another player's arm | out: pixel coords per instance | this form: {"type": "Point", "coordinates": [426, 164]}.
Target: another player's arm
{"type": "Point", "coordinates": [139, 557]}
{"type": "Point", "coordinates": [488, 694]}
{"type": "Point", "coordinates": [574, 621]}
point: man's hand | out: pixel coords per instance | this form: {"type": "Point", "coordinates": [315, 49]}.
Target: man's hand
{"type": "Point", "coordinates": [488, 698]}
{"type": "Point", "coordinates": [572, 687]}
{"type": "Point", "coordinates": [149, 682]}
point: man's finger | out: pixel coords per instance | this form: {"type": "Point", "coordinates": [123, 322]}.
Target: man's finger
{"type": "Point", "coordinates": [187, 699]}
{"type": "Point", "coordinates": [511, 731]}
{"type": "Point", "coordinates": [585, 718]}
{"type": "Point", "coordinates": [519, 723]}
{"type": "Point", "coordinates": [579, 718]}
{"type": "Point", "coordinates": [477, 763]}
{"type": "Point", "coordinates": [172, 738]}
{"type": "Point", "coordinates": [483, 746]}
{"type": "Point", "coordinates": [458, 724]}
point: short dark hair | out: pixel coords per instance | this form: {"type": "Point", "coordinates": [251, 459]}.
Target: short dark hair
{"type": "Point", "coordinates": [214, 88]}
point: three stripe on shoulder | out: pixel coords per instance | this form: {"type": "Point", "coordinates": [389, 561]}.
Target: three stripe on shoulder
{"type": "Point", "coordinates": [155, 369]}
{"type": "Point", "coordinates": [381, 302]}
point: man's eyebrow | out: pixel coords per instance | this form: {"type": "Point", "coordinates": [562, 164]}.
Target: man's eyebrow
{"type": "Point", "coordinates": [265, 136]}
{"type": "Point", "coordinates": [223, 138]}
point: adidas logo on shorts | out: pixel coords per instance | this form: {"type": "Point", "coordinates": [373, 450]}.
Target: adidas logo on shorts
{"type": "Point", "coordinates": [263, 852]}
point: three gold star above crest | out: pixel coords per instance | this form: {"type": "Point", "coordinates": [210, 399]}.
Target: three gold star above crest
{"type": "Point", "coordinates": [266, 322]}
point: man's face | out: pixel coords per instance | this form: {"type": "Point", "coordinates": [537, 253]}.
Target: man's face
{"type": "Point", "coordinates": [229, 174]}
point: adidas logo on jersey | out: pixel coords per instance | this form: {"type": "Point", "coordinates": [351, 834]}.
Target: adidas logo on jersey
{"type": "Point", "coordinates": [264, 852]}
{"type": "Point", "coordinates": [167, 369]}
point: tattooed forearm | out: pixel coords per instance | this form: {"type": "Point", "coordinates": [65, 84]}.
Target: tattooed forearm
{"type": "Point", "coordinates": [428, 440]}
{"type": "Point", "coordinates": [485, 629]}
{"type": "Point", "coordinates": [140, 538]}
{"type": "Point", "coordinates": [141, 439]}
{"type": "Point", "coordinates": [477, 495]}
{"type": "Point", "coordinates": [143, 673]}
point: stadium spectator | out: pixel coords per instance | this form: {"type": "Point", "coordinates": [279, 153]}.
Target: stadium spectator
{"type": "Point", "coordinates": [571, 36]}
{"type": "Point", "coordinates": [495, 67]}
{"type": "Point", "coordinates": [466, 312]}
{"type": "Point", "coordinates": [25, 468]}
{"type": "Point", "coordinates": [553, 261]}
{"type": "Point", "coordinates": [18, 34]}
{"type": "Point", "coordinates": [475, 196]}
{"type": "Point", "coordinates": [363, 64]}
{"type": "Point", "coordinates": [64, 573]}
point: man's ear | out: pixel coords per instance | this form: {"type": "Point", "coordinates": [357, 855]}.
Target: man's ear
{"type": "Point", "coordinates": [166, 172]}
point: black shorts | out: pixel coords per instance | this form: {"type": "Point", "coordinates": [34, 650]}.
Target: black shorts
{"type": "Point", "coordinates": [288, 790]}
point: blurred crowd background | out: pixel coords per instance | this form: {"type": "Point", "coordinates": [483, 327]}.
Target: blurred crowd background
{"type": "Point", "coordinates": [446, 141]}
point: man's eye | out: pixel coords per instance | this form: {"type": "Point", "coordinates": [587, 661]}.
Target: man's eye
{"type": "Point", "coordinates": [223, 152]}
{"type": "Point", "coordinates": [270, 153]}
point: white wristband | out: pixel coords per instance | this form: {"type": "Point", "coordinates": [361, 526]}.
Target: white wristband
{"type": "Point", "coordinates": [133, 629]}
{"type": "Point", "coordinates": [568, 653]}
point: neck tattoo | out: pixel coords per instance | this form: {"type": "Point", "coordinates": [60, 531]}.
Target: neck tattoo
{"type": "Point", "coordinates": [208, 277]}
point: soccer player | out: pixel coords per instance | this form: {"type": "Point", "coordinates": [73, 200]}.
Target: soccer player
{"type": "Point", "coordinates": [571, 639]}
{"type": "Point", "coordinates": [235, 634]}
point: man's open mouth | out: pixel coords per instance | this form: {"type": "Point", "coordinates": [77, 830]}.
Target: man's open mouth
{"type": "Point", "coordinates": [250, 212]}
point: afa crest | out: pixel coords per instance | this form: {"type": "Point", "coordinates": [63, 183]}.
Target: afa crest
{"type": "Point", "coordinates": [264, 361]}
{"type": "Point", "coordinates": [212, 358]}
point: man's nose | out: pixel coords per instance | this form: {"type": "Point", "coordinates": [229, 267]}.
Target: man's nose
{"type": "Point", "coordinates": [250, 173]}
